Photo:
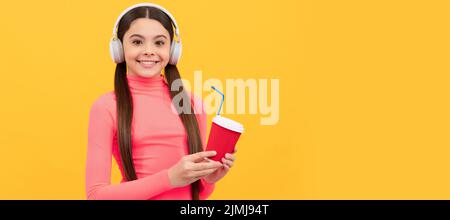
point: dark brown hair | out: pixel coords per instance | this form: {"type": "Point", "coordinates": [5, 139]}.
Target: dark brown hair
{"type": "Point", "coordinates": [125, 104]}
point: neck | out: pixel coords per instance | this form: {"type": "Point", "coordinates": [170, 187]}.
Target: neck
{"type": "Point", "coordinates": [140, 83]}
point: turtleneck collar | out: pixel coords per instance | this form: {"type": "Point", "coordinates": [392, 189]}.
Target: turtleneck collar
{"type": "Point", "coordinates": [139, 83]}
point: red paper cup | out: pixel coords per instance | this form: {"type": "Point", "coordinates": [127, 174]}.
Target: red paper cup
{"type": "Point", "coordinates": [223, 136]}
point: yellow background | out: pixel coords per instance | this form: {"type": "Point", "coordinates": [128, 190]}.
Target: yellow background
{"type": "Point", "coordinates": [364, 88]}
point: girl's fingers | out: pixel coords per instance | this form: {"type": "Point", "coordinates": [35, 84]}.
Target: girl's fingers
{"type": "Point", "coordinates": [230, 157]}
{"type": "Point", "coordinates": [205, 165]}
{"type": "Point", "coordinates": [226, 167]}
{"type": "Point", "coordinates": [228, 163]}
{"type": "Point", "coordinates": [197, 157]}
{"type": "Point", "coordinates": [202, 173]}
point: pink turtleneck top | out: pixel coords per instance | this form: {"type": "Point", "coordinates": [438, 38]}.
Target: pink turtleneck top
{"type": "Point", "coordinates": [159, 140]}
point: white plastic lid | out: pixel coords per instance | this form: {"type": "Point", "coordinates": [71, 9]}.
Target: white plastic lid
{"type": "Point", "coordinates": [228, 124]}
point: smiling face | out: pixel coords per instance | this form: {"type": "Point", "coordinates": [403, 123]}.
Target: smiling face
{"type": "Point", "coordinates": [146, 47]}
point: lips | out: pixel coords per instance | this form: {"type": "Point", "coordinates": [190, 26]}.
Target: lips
{"type": "Point", "coordinates": [148, 63]}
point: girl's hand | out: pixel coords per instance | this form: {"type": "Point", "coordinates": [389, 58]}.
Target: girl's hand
{"type": "Point", "coordinates": [192, 167]}
{"type": "Point", "coordinates": [221, 172]}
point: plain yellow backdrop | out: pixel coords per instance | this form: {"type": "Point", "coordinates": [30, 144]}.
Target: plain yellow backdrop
{"type": "Point", "coordinates": [364, 94]}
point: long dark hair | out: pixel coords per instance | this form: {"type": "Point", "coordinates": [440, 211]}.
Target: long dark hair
{"type": "Point", "coordinates": [125, 104]}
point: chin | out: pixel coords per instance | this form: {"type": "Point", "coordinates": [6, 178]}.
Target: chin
{"type": "Point", "coordinates": [148, 73]}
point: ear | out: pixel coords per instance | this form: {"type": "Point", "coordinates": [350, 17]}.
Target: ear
{"type": "Point", "coordinates": [175, 52]}
{"type": "Point", "coordinates": [116, 50]}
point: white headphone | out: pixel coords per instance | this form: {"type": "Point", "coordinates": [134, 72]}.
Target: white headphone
{"type": "Point", "coordinates": [116, 48]}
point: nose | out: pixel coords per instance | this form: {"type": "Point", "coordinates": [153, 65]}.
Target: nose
{"type": "Point", "coordinates": [149, 50]}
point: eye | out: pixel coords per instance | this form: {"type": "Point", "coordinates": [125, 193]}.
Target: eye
{"type": "Point", "coordinates": [159, 43]}
{"type": "Point", "coordinates": [136, 42]}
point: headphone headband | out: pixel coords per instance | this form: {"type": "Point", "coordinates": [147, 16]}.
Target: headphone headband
{"type": "Point", "coordinates": [174, 22]}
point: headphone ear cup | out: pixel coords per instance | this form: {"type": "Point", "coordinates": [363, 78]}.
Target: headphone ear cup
{"type": "Point", "coordinates": [175, 52]}
{"type": "Point", "coordinates": [116, 50]}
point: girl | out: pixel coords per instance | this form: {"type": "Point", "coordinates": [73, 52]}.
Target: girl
{"type": "Point", "coordinates": [159, 151]}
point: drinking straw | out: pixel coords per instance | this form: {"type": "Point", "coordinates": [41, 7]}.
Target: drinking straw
{"type": "Point", "coordinates": [221, 102]}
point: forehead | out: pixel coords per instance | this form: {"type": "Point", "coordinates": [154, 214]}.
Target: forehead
{"type": "Point", "coordinates": [147, 28]}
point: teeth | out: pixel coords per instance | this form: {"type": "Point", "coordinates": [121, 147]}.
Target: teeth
{"type": "Point", "coordinates": [147, 63]}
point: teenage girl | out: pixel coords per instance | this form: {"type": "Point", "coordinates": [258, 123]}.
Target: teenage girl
{"type": "Point", "coordinates": [159, 149]}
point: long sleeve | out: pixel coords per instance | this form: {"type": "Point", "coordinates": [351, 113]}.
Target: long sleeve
{"type": "Point", "coordinates": [98, 163]}
{"type": "Point", "coordinates": [206, 189]}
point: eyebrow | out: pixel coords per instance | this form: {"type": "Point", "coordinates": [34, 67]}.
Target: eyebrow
{"type": "Point", "coordinates": [138, 35]}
